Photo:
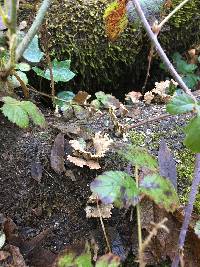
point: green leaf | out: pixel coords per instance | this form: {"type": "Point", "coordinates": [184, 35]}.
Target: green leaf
{"type": "Point", "coordinates": [108, 260]}
{"type": "Point", "coordinates": [139, 157]}
{"type": "Point", "coordinates": [14, 82]}
{"type": "Point", "coordinates": [161, 191]}
{"type": "Point", "coordinates": [182, 66]}
{"type": "Point", "coordinates": [23, 66]}
{"type": "Point", "coordinates": [19, 112]}
{"type": "Point", "coordinates": [102, 97]}
{"type": "Point", "coordinates": [33, 52]}
{"type": "Point", "coordinates": [192, 139]}
{"type": "Point", "coordinates": [66, 96]}
{"type": "Point", "coordinates": [75, 257]}
{"type": "Point", "coordinates": [34, 113]}
{"type": "Point", "coordinates": [60, 69]}
{"type": "Point", "coordinates": [180, 103]}
{"type": "Point", "coordinates": [197, 229]}
{"type": "Point", "coordinates": [191, 80]}
{"type": "Point", "coordinates": [116, 187]}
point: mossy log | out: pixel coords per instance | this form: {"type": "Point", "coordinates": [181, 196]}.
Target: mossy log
{"type": "Point", "coordinates": [77, 32]}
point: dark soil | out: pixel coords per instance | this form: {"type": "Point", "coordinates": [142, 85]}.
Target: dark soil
{"type": "Point", "coordinates": [57, 202]}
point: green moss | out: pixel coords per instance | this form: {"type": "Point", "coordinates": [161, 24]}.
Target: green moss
{"type": "Point", "coordinates": [137, 138]}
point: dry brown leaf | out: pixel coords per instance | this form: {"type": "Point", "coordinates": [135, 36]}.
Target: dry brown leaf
{"type": "Point", "coordinates": [4, 255]}
{"type": "Point", "coordinates": [36, 170]}
{"type": "Point", "coordinates": [18, 259]}
{"type": "Point", "coordinates": [57, 154]}
{"type": "Point", "coordinates": [193, 56]}
{"type": "Point", "coordinates": [81, 97]}
{"type": "Point", "coordinates": [101, 144]}
{"type": "Point", "coordinates": [148, 97]}
{"type": "Point", "coordinates": [93, 211]}
{"type": "Point", "coordinates": [164, 245]}
{"type": "Point", "coordinates": [94, 165]}
{"type": "Point", "coordinates": [133, 96]}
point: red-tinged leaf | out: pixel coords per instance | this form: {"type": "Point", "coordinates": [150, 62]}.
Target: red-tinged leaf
{"type": "Point", "coordinates": [115, 18]}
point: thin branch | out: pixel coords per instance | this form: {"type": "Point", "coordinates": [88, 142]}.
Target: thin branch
{"type": "Point", "coordinates": [172, 13]}
{"type": "Point", "coordinates": [160, 51]}
{"type": "Point", "coordinates": [188, 211]}
{"type": "Point", "coordinates": [33, 29]}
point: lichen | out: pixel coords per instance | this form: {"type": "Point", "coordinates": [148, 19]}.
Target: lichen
{"type": "Point", "coordinates": [137, 138]}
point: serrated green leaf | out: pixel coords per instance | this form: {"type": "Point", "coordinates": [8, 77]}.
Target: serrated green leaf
{"type": "Point", "coordinates": [75, 257]}
{"type": "Point", "coordinates": [180, 103]}
{"type": "Point", "coordinates": [23, 66]}
{"type": "Point", "coordinates": [14, 112]}
{"type": "Point", "coordinates": [2, 239]}
{"type": "Point", "coordinates": [197, 229]}
{"type": "Point", "coordinates": [66, 96]}
{"type": "Point", "coordinates": [34, 113]}
{"type": "Point", "coordinates": [60, 69]}
{"type": "Point", "coordinates": [192, 139]}
{"type": "Point", "coordinates": [161, 191]}
{"type": "Point", "coordinates": [14, 82]}
{"type": "Point", "coordinates": [116, 187]}
{"type": "Point", "coordinates": [33, 52]}
{"type": "Point", "coordinates": [19, 112]}
{"type": "Point", "coordinates": [108, 260]}
{"type": "Point", "coordinates": [140, 157]}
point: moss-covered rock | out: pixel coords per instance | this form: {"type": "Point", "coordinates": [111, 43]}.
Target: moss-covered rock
{"type": "Point", "coordinates": [77, 31]}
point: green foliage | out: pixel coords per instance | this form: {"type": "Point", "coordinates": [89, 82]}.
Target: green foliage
{"type": "Point", "coordinates": [187, 71]}
{"type": "Point", "coordinates": [180, 103]}
{"type": "Point", "coordinates": [119, 188]}
{"type": "Point", "coordinates": [64, 98]}
{"type": "Point", "coordinates": [116, 187]}
{"type": "Point", "coordinates": [76, 258]}
{"type": "Point", "coordinates": [192, 139]}
{"type": "Point", "coordinates": [161, 191]}
{"type": "Point", "coordinates": [60, 70]}
{"type": "Point", "coordinates": [20, 112]}
{"type": "Point", "coordinates": [33, 53]}
{"type": "Point", "coordinates": [140, 157]}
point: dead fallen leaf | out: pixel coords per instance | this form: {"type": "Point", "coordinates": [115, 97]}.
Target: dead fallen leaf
{"type": "Point", "coordinates": [18, 259]}
{"type": "Point", "coordinates": [133, 96]}
{"type": "Point", "coordinates": [81, 97]}
{"type": "Point", "coordinates": [101, 144]}
{"type": "Point", "coordinates": [36, 171]}
{"type": "Point", "coordinates": [4, 255]}
{"type": "Point", "coordinates": [92, 210]}
{"type": "Point", "coordinates": [164, 245]}
{"type": "Point", "coordinates": [57, 154]}
{"type": "Point", "coordinates": [105, 210]}
{"type": "Point", "coordinates": [167, 164]}
{"type": "Point", "coordinates": [148, 97]}
{"type": "Point", "coordinates": [70, 174]}
{"type": "Point", "coordinates": [94, 165]}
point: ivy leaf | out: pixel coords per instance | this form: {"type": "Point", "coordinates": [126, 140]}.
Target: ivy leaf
{"type": "Point", "coordinates": [140, 157]}
{"type": "Point", "coordinates": [197, 229]}
{"type": "Point", "coordinates": [19, 112]}
{"type": "Point", "coordinates": [108, 260]}
{"type": "Point", "coordinates": [77, 257]}
{"type": "Point", "coordinates": [161, 191]}
{"type": "Point", "coordinates": [180, 103]}
{"type": "Point", "coordinates": [66, 96]}
{"type": "Point", "coordinates": [192, 139]}
{"type": "Point", "coordinates": [33, 52]}
{"type": "Point", "coordinates": [116, 187]}
{"type": "Point", "coordinates": [60, 69]}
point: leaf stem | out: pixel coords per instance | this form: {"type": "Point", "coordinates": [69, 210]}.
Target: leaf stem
{"type": "Point", "coordinates": [160, 51]}
{"type": "Point", "coordinates": [33, 29]}
{"type": "Point", "coordinates": [138, 215]}
{"type": "Point", "coordinates": [188, 211]}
